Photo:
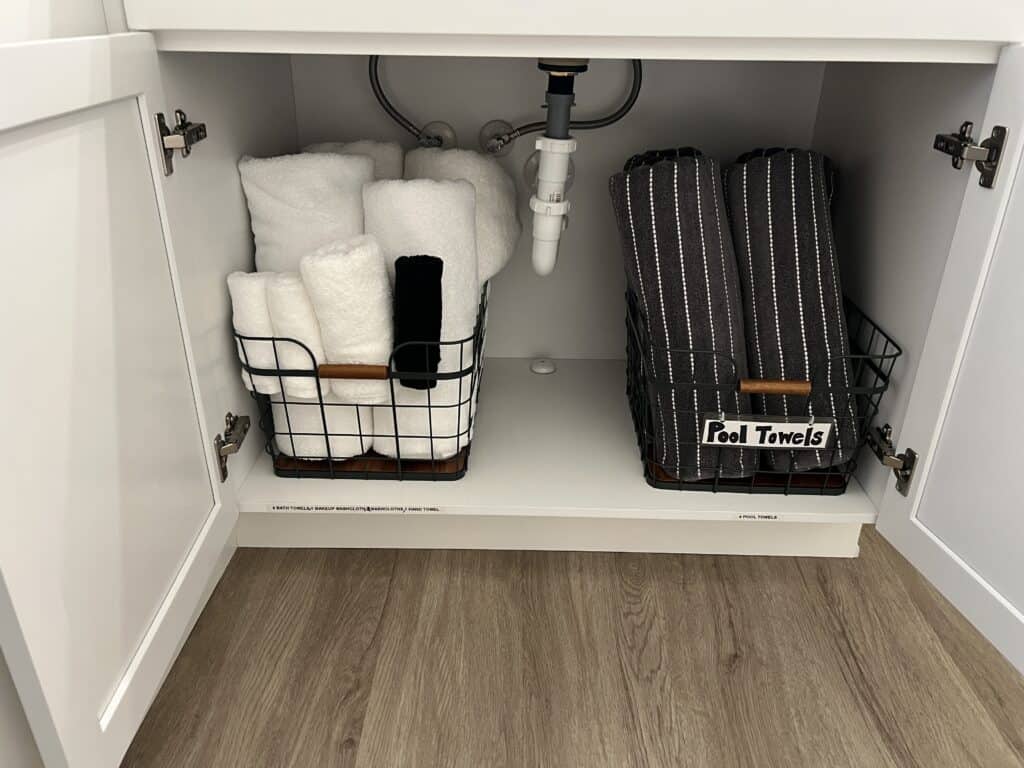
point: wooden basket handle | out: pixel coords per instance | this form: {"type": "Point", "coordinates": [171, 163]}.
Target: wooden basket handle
{"type": "Point", "coordinates": [775, 387]}
{"type": "Point", "coordinates": [352, 371]}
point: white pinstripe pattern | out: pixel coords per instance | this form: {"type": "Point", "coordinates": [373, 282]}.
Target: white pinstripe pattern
{"type": "Point", "coordinates": [775, 295]}
{"type": "Point", "coordinates": [643, 298]}
{"type": "Point", "coordinates": [686, 309]}
{"type": "Point", "coordinates": [799, 285]}
{"type": "Point", "coordinates": [664, 321]}
{"type": "Point", "coordinates": [843, 341]}
{"type": "Point", "coordinates": [775, 301]}
{"type": "Point", "coordinates": [821, 299]}
{"type": "Point", "coordinates": [725, 287]}
{"type": "Point", "coordinates": [707, 286]}
{"type": "Point", "coordinates": [753, 289]}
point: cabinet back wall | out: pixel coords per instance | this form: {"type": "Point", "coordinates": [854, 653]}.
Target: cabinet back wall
{"type": "Point", "coordinates": [722, 107]}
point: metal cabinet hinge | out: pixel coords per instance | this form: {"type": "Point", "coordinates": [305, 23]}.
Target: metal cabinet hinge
{"type": "Point", "coordinates": [985, 156]}
{"type": "Point", "coordinates": [235, 430]}
{"type": "Point", "coordinates": [901, 464]}
{"type": "Point", "coordinates": [182, 136]}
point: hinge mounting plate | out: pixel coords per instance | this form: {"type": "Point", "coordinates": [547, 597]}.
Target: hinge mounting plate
{"type": "Point", "coordinates": [182, 136]}
{"type": "Point", "coordinates": [985, 156]}
{"type": "Point", "coordinates": [235, 430]}
{"type": "Point", "coordinates": [901, 464]}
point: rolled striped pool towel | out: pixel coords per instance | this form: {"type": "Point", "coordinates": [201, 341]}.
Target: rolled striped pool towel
{"type": "Point", "coordinates": [681, 270]}
{"type": "Point", "coordinates": [652, 156]}
{"type": "Point", "coordinates": [780, 212]}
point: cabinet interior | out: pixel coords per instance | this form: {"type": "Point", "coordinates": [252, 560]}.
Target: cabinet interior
{"type": "Point", "coordinates": [896, 208]}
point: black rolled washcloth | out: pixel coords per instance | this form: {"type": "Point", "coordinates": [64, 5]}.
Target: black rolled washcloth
{"type": "Point", "coordinates": [417, 317]}
{"type": "Point", "coordinates": [681, 271]}
{"type": "Point", "coordinates": [780, 212]}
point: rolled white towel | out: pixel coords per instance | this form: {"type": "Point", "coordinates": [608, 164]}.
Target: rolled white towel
{"type": "Point", "coordinates": [250, 317]}
{"type": "Point", "coordinates": [348, 285]}
{"type": "Point", "coordinates": [433, 423]}
{"type": "Point", "coordinates": [387, 156]}
{"type": "Point", "coordinates": [497, 217]}
{"type": "Point", "coordinates": [299, 427]}
{"type": "Point", "coordinates": [292, 317]}
{"type": "Point", "coordinates": [436, 218]}
{"type": "Point", "coordinates": [298, 203]}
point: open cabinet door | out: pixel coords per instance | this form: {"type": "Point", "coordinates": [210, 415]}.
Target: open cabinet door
{"type": "Point", "coordinates": [962, 522]}
{"type": "Point", "coordinates": [113, 525]}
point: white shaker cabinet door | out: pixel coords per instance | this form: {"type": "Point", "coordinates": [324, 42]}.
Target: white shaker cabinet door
{"type": "Point", "coordinates": [111, 525]}
{"type": "Point", "coordinates": [962, 523]}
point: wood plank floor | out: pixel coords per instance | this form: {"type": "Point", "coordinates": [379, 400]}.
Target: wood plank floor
{"type": "Point", "coordinates": [414, 658]}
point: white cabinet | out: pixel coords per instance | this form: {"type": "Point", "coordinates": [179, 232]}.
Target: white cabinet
{"type": "Point", "coordinates": [870, 19]}
{"type": "Point", "coordinates": [27, 20]}
{"type": "Point", "coordinates": [910, 30]}
{"type": "Point", "coordinates": [113, 526]}
{"type": "Point", "coordinates": [120, 363]}
{"type": "Point", "coordinates": [980, 520]}
{"type": "Point", "coordinates": [963, 523]}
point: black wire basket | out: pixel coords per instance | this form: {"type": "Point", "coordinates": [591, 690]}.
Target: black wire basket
{"type": "Point", "coordinates": [425, 419]}
{"type": "Point", "coordinates": [872, 355]}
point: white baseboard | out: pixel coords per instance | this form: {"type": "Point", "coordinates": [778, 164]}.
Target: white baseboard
{"type": "Point", "coordinates": [424, 531]}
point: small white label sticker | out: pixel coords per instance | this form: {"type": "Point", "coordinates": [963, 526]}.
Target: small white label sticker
{"type": "Point", "coordinates": [349, 508]}
{"type": "Point", "coordinates": [749, 432]}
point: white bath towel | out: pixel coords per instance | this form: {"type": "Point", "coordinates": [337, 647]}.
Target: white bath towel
{"type": "Point", "coordinates": [436, 218]}
{"type": "Point", "coordinates": [298, 203]}
{"type": "Point", "coordinates": [299, 427]}
{"type": "Point", "coordinates": [387, 156]}
{"type": "Point", "coordinates": [250, 317]}
{"type": "Point", "coordinates": [351, 293]}
{"type": "Point", "coordinates": [292, 317]}
{"type": "Point", "coordinates": [433, 423]}
{"type": "Point", "coordinates": [497, 218]}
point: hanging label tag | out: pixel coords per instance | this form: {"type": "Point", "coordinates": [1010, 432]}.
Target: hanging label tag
{"type": "Point", "coordinates": [766, 432]}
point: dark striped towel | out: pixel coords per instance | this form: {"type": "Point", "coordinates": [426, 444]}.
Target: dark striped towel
{"type": "Point", "coordinates": [780, 213]}
{"type": "Point", "coordinates": [652, 156]}
{"type": "Point", "coordinates": [681, 270]}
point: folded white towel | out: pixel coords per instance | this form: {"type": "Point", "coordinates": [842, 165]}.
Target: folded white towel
{"type": "Point", "coordinates": [348, 284]}
{"type": "Point", "coordinates": [299, 427]}
{"type": "Point", "coordinates": [436, 218]}
{"type": "Point", "coordinates": [292, 317]}
{"type": "Point", "coordinates": [250, 316]}
{"type": "Point", "coordinates": [387, 156]}
{"type": "Point", "coordinates": [497, 218]}
{"type": "Point", "coordinates": [298, 203]}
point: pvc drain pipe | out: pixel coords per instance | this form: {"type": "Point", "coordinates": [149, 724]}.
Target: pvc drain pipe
{"type": "Point", "coordinates": [549, 206]}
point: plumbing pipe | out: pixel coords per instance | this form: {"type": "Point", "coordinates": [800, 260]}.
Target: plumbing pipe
{"type": "Point", "coordinates": [549, 206]}
{"type": "Point", "coordinates": [548, 203]}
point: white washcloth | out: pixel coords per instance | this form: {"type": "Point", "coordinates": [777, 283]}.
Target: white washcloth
{"type": "Point", "coordinates": [436, 218]}
{"type": "Point", "coordinates": [386, 155]}
{"type": "Point", "coordinates": [298, 203]}
{"type": "Point", "coordinates": [497, 218]}
{"type": "Point", "coordinates": [250, 316]}
{"type": "Point", "coordinates": [299, 427]}
{"type": "Point", "coordinates": [292, 317]}
{"type": "Point", "coordinates": [351, 294]}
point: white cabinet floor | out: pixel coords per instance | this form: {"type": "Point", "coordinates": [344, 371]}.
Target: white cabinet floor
{"type": "Point", "coordinates": [551, 448]}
